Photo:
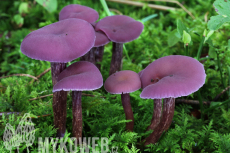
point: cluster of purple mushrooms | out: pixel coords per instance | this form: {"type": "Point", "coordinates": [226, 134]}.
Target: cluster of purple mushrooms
{"type": "Point", "coordinates": [77, 34]}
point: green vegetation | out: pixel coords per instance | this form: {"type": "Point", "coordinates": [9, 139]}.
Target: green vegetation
{"type": "Point", "coordinates": [165, 33]}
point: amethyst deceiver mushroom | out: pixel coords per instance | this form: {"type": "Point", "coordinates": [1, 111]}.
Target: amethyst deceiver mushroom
{"type": "Point", "coordinates": [80, 12]}
{"type": "Point", "coordinates": [119, 29]}
{"type": "Point", "coordinates": [59, 43]}
{"type": "Point", "coordinates": [170, 77]}
{"type": "Point", "coordinates": [124, 82]}
{"type": "Point", "coordinates": [78, 77]}
{"type": "Point", "coordinates": [96, 53]}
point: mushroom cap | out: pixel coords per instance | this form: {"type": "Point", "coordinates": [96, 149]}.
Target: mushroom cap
{"type": "Point", "coordinates": [101, 39]}
{"type": "Point", "coordinates": [122, 82]}
{"type": "Point", "coordinates": [120, 28]}
{"type": "Point", "coordinates": [80, 12]}
{"type": "Point", "coordinates": [62, 41]}
{"type": "Point", "coordinates": [172, 76]}
{"type": "Point", "coordinates": [80, 76]}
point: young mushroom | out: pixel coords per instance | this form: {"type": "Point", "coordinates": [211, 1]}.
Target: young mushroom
{"type": "Point", "coordinates": [59, 43]}
{"type": "Point", "coordinates": [80, 12]}
{"type": "Point", "coordinates": [78, 77]}
{"type": "Point", "coordinates": [170, 77]}
{"type": "Point", "coordinates": [124, 82]}
{"type": "Point", "coordinates": [119, 29]}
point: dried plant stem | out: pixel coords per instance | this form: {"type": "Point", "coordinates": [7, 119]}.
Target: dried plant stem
{"type": "Point", "coordinates": [77, 114]}
{"type": "Point", "coordinates": [125, 98]}
{"type": "Point", "coordinates": [176, 2]}
{"type": "Point", "coordinates": [159, 7]}
{"type": "Point", "coordinates": [26, 75]}
{"type": "Point", "coordinates": [156, 114]}
{"type": "Point", "coordinates": [222, 92]}
{"type": "Point", "coordinates": [195, 102]}
{"type": "Point", "coordinates": [167, 116]}
{"type": "Point", "coordinates": [43, 73]}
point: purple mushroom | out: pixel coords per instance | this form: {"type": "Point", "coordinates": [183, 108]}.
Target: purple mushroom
{"type": "Point", "coordinates": [170, 77]}
{"type": "Point", "coordinates": [124, 82]}
{"type": "Point", "coordinates": [96, 53]}
{"type": "Point", "coordinates": [78, 77]}
{"type": "Point", "coordinates": [80, 12]}
{"type": "Point", "coordinates": [119, 29]}
{"type": "Point", "coordinates": [59, 43]}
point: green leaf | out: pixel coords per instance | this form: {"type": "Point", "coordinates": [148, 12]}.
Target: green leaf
{"type": "Point", "coordinates": [222, 8]}
{"type": "Point", "coordinates": [149, 17]}
{"type": "Point", "coordinates": [173, 38]}
{"type": "Point", "coordinates": [186, 37]}
{"type": "Point", "coordinates": [217, 21]}
{"type": "Point", "coordinates": [23, 8]}
{"type": "Point", "coordinates": [18, 19]}
{"type": "Point", "coordinates": [49, 5]}
{"type": "Point", "coordinates": [181, 27]}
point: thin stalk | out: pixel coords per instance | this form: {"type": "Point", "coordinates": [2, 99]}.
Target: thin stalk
{"type": "Point", "coordinates": [77, 114]}
{"type": "Point", "coordinates": [200, 48]}
{"type": "Point", "coordinates": [156, 114]}
{"type": "Point", "coordinates": [218, 105]}
{"type": "Point", "coordinates": [116, 58]}
{"type": "Point", "coordinates": [125, 98]}
{"type": "Point", "coordinates": [220, 68]}
{"type": "Point", "coordinates": [186, 50]}
{"type": "Point", "coordinates": [166, 120]}
{"type": "Point", "coordinates": [59, 101]}
{"type": "Point", "coordinates": [105, 7]}
{"type": "Point", "coordinates": [126, 53]}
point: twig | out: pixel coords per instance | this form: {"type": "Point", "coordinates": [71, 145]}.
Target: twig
{"type": "Point", "coordinates": [43, 73]}
{"type": "Point", "coordinates": [27, 75]}
{"type": "Point", "coordinates": [40, 75]}
{"type": "Point", "coordinates": [222, 92]}
{"type": "Point", "coordinates": [89, 95]}
{"type": "Point", "coordinates": [40, 97]}
{"type": "Point", "coordinates": [176, 2]}
{"type": "Point", "coordinates": [196, 102]}
{"type": "Point", "coordinates": [115, 10]}
{"type": "Point", "coordinates": [159, 7]}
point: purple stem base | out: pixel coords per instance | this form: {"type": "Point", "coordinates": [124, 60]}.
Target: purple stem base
{"type": "Point", "coordinates": [116, 58]}
{"type": "Point", "coordinates": [77, 114]}
{"type": "Point", "coordinates": [156, 114]}
{"type": "Point", "coordinates": [166, 120]}
{"type": "Point", "coordinates": [59, 101]}
{"type": "Point", "coordinates": [125, 98]}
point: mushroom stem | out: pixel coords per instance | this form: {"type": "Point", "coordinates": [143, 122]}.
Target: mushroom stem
{"type": "Point", "coordinates": [59, 100]}
{"type": "Point", "coordinates": [89, 56]}
{"type": "Point", "coordinates": [156, 114]}
{"type": "Point", "coordinates": [125, 98]}
{"type": "Point", "coordinates": [116, 58]}
{"type": "Point", "coordinates": [77, 114]}
{"type": "Point", "coordinates": [167, 116]}
{"type": "Point", "coordinates": [98, 56]}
